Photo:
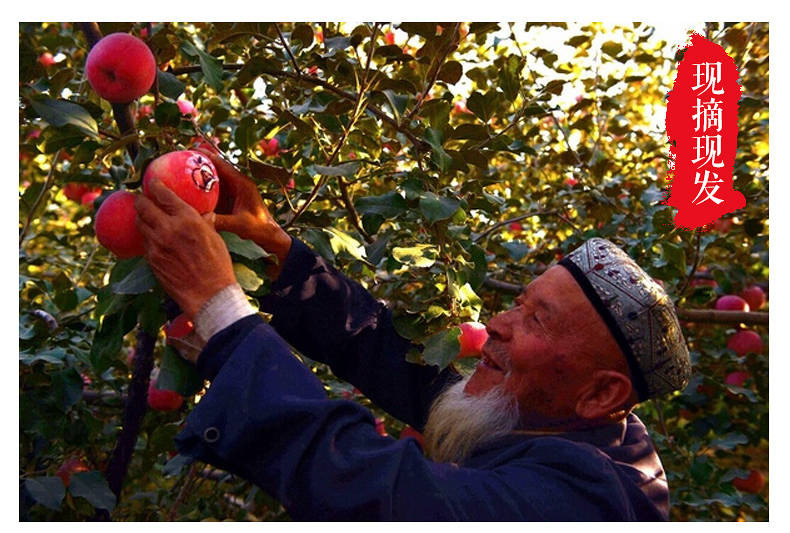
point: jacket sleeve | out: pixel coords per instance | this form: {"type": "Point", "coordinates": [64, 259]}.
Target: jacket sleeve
{"type": "Point", "coordinates": [334, 320]}
{"type": "Point", "coordinates": [266, 418]}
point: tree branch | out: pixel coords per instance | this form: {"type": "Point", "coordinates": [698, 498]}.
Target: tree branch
{"type": "Point", "coordinates": [41, 195]}
{"type": "Point", "coordinates": [133, 413]}
{"type": "Point", "coordinates": [287, 49]}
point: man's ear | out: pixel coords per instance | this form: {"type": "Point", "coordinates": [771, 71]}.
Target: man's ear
{"type": "Point", "coordinates": [606, 392]}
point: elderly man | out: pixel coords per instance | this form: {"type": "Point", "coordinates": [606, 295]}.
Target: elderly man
{"type": "Point", "coordinates": [542, 429]}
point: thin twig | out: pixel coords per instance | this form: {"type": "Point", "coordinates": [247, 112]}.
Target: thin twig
{"type": "Point", "coordinates": [287, 49]}
{"type": "Point", "coordinates": [498, 225]}
{"type": "Point", "coordinates": [434, 73]}
{"type": "Point", "coordinates": [191, 475]}
{"type": "Point", "coordinates": [694, 264]}
{"type": "Point", "coordinates": [41, 195]}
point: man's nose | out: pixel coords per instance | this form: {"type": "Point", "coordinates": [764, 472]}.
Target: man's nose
{"type": "Point", "coordinates": [500, 326]}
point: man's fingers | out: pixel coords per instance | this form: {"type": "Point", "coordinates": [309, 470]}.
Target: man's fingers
{"type": "Point", "coordinates": [148, 212]}
{"type": "Point", "coordinates": [226, 223]}
{"type": "Point", "coordinates": [165, 198]}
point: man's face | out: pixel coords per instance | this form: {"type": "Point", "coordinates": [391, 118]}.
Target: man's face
{"type": "Point", "coordinates": [543, 349]}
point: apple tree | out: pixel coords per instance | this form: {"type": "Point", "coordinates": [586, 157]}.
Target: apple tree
{"type": "Point", "coordinates": [442, 165]}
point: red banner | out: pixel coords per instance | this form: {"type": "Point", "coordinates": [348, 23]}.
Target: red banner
{"type": "Point", "coordinates": [702, 125]}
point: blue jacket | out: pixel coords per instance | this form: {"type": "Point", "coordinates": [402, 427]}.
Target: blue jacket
{"type": "Point", "coordinates": [266, 418]}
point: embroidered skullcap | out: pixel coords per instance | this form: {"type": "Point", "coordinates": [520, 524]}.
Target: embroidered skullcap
{"type": "Point", "coordinates": [638, 313]}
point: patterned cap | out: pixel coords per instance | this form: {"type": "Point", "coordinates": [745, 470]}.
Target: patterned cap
{"type": "Point", "coordinates": [638, 313]}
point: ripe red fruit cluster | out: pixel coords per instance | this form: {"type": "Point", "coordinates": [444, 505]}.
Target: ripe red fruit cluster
{"type": "Point", "coordinates": [189, 174]}
{"type": "Point", "coordinates": [737, 378]}
{"type": "Point", "coordinates": [163, 400]}
{"type": "Point", "coordinates": [473, 337]}
{"type": "Point", "coordinates": [120, 68]}
{"type": "Point", "coordinates": [81, 192]}
{"type": "Point", "coordinates": [753, 484]}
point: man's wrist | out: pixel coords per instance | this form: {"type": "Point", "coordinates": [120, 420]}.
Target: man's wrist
{"type": "Point", "coordinates": [221, 310]}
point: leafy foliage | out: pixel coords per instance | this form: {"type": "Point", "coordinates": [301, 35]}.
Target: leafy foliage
{"type": "Point", "coordinates": [423, 169]}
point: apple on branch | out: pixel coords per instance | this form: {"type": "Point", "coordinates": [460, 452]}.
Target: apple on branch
{"type": "Point", "coordinates": [189, 174]}
{"type": "Point", "coordinates": [120, 68]}
{"type": "Point", "coordinates": [115, 225]}
{"type": "Point", "coordinates": [472, 338]}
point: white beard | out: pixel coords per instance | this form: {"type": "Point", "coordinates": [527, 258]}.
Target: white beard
{"type": "Point", "coordinates": [458, 423]}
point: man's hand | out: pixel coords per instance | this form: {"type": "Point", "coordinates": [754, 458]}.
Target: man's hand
{"type": "Point", "coordinates": [187, 255]}
{"type": "Point", "coordinates": [241, 210]}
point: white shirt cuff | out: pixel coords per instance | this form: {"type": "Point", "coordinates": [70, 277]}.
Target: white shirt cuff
{"type": "Point", "coordinates": [221, 310]}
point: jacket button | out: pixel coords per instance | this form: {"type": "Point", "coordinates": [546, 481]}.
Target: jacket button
{"type": "Point", "coordinates": [211, 435]}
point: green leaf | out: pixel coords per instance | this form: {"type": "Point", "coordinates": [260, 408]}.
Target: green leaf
{"type": "Point", "coordinates": [389, 205]}
{"type": "Point", "coordinates": [108, 339]}
{"type": "Point", "coordinates": [243, 247]}
{"type": "Point", "coordinates": [753, 227]}
{"type": "Point", "coordinates": [516, 249]}
{"type": "Point", "coordinates": [451, 72]}
{"type": "Point", "coordinates": [319, 242]}
{"type": "Point", "coordinates": [304, 34]}
{"type": "Point", "coordinates": [152, 312]}
{"type": "Point", "coordinates": [175, 465]}
{"type": "Point", "coordinates": [246, 277]}
{"type": "Point", "coordinates": [66, 388]}
{"type": "Point", "coordinates": [435, 208]}
{"type": "Point", "coordinates": [397, 102]}
{"type": "Point", "coordinates": [140, 280]}
{"type": "Point", "coordinates": [209, 65]}
{"type": "Point", "coordinates": [178, 374]}
{"type": "Point", "coordinates": [440, 157]}
{"type": "Point", "coordinates": [482, 105]}
{"type": "Point", "coordinates": [344, 169]}
{"type": "Point", "coordinates": [337, 43]}
{"type": "Point", "coordinates": [343, 242]}
{"type": "Point", "coordinates": [60, 113]}
{"type": "Point", "coordinates": [169, 85]}
{"type": "Point", "coordinates": [93, 487]}
{"type": "Point", "coordinates": [419, 255]}
{"type": "Point", "coordinates": [612, 48]}
{"type": "Point", "coordinates": [167, 114]}
{"type": "Point", "coordinates": [48, 491]}
{"type": "Point", "coordinates": [441, 348]}
{"type": "Point", "coordinates": [475, 132]}
{"type": "Point", "coordinates": [729, 441]}
{"type": "Point", "coordinates": [55, 356]}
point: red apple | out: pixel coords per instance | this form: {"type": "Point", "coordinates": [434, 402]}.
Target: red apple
{"type": "Point", "coordinates": [753, 484]}
{"type": "Point", "coordinates": [745, 341]}
{"type": "Point", "coordinates": [120, 68]}
{"type": "Point", "coordinates": [270, 147]}
{"type": "Point", "coordinates": [723, 225]}
{"type": "Point", "coordinates": [46, 59]}
{"type": "Point", "coordinates": [191, 175]}
{"type": "Point", "coordinates": [163, 400]}
{"type": "Point", "coordinates": [115, 227]}
{"type": "Point", "coordinates": [389, 37]}
{"type": "Point", "coordinates": [459, 108]}
{"type": "Point", "coordinates": [312, 70]}
{"type": "Point", "coordinates": [74, 191]}
{"type": "Point", "coordinates": [754, 296]}
{"type": "Point", "coordinates": [291, 184]}
{"type": "Point", "coordinates": [515, 227]}
{"type": "Point", "coordinates": [179, 327]}
{"type": "Point", "coordinates": [144, 111]}
{"type": "Point", "coordinates": [703, 282]}
{"type": "Point", "coordinates": [570, 182]}
{"type": "Point", "coordinates": [737, 378]}
{"type": "Point", "coordinates": [473, 337]}
{"type": "Point", "coordinates": [731, 302]}
{"type": "Point", "coordinates": [409, 431]}
{"type": "Point", "coordinates": [187, 108]}
{"type": "Point", "coordinates": [90, 196]}
{"type": "Point", "coordinates": [72, 465]}
{"type": "Point", "coordinates": [380, 429]}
